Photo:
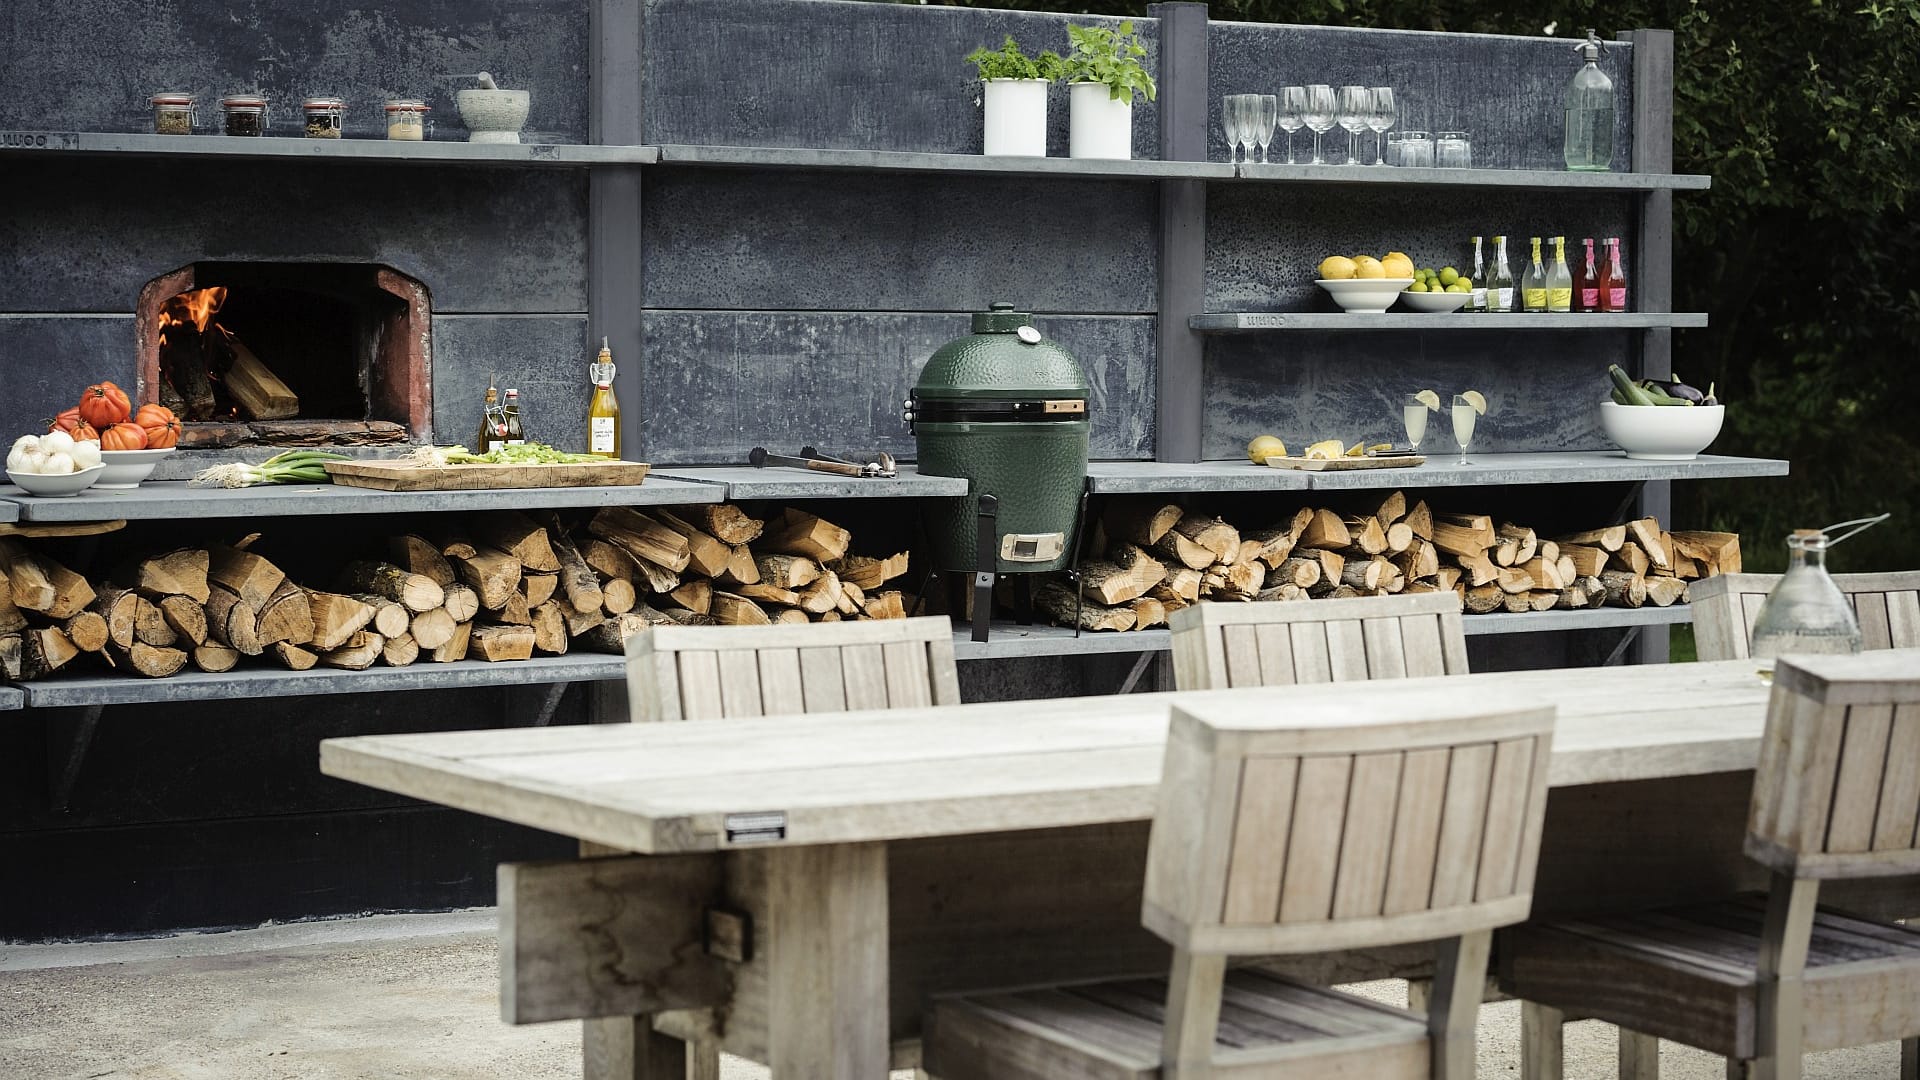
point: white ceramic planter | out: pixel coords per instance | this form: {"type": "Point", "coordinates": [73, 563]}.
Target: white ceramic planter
{"type": "Point", "coordinates": [1101, 126]}
{"type": "Point", "coordinates": [1016, 118]}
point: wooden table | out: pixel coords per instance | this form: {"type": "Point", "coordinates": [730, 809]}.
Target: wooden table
{"type": "Point", "coordinates": [880, 855]}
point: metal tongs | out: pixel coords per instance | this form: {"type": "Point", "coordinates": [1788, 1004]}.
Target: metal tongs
{"type": "Point", "coordinates": [881, 468]}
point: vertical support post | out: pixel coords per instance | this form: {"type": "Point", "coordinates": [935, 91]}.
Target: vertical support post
{"type": "Point", "coordinates": [1179, 390]}
{"type": "Point", "coordinates": [613, 207]}
{"type": "Point", "coordinates": [826, 947]}
{"type": "Point", "coordinates": [1652, 257]}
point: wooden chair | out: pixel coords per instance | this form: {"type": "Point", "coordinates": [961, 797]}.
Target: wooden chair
{"type": "Point", "coordinates": [1762, 979]}
{"type": "Point", "coordinates": [1725, 606]}
{"type": "Point", "coordinates": [1216, 646]}
{"type": "Point", "coordinates": [1375, 829]}
{"type": "Point", "coordinates": [715, 672]}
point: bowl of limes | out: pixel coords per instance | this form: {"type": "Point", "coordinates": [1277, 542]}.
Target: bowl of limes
{"type": "Point", "coordinates": [1438, 291]}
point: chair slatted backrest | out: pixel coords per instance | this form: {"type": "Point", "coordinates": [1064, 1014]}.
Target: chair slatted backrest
{"type": "Point", "coordinates": [1725, 607]}
{"type": "Point", "coordinates": [1837, 793]}
{"type": "Point", "coordinates": [714, 672]}
{"type": "Point", "coordinates": [1221, 645]}
{"type": "Point", "coordinates": [1404, 817]}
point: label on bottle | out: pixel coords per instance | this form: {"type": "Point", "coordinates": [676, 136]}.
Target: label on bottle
{"type": "Point", "coordinates": [1536, 299]}
{"type": "Point", "coordinates": [600, 435]}
{"type": "Point", "coordinates": [1589, 299]}
{"type": "Point", "coordinates": [1559, 299]}
{"type": "Point", "coordinates": [1502, 299]}
{"type": "Point", "coordinates": [1479, 300]}
{"type": "Point", "coordinates": [516, 442]}
{"type": "Point", "coordinates": [1617, 299]}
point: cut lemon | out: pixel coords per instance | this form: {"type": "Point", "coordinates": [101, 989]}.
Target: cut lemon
{"type": "Point", "coordinates": [1358, 449]}
{"type": "Point", "coordinates": [1428, 398]}
{"type": "Point", "coordinates": [1379, 448]}
{"type": "Point", "coordinates": [1325, 450]}
{"type": "Point", "coordinates": [1474, 399]}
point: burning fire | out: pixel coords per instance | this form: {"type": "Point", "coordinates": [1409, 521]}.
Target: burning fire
{"type": "Point", "coordinates": [193, 308]}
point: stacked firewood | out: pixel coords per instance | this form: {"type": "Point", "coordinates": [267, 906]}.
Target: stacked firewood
{"type": "Point", "coordinates": [507, 588]}
{"type": "Point", "coordinates": [1154, 559]}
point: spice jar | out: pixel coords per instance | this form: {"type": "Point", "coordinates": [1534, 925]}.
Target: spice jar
{"type": "Point", "coordinates": [324, 116]}
{"type": "Point", "coordinates": [246, 114]}
{"type": "Point", "coordinates": [173, 113]}
{"type": "Point", "coordinates": [407, 120]}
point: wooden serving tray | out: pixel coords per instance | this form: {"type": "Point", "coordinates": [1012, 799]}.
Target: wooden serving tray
{"type": "Point", "coordinates": [403, 476]}
{"type": "Point", "coordinates": [1345, 464]}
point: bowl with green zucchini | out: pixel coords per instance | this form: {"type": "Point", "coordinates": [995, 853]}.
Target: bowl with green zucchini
{"type": "Point", "coordinates": [1655, 420]}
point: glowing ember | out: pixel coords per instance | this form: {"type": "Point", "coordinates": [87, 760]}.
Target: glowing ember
{"type": "Point", "coordinates": [193, 308]}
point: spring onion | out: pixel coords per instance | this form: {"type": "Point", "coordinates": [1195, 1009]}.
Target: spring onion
{"type": "Point", "coordinates": [291, 467]}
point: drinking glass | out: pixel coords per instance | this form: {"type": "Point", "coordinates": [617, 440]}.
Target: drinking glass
{"type": "Point", "coordinates": [1355, 113]}
{"type": "Point", "coordinates": [1293, 110]}
{"type": "Point", "coordinates": [1416, 149]}
{"type": "Point", "coordinates": [1381, 121]}
{"type": "Point", "coordinates": [1230, 123]}
{"type": "Point", "coordinates": [1413, 412]}
{"type": "Point", "coordinates": [1394, 139]}
{"type": "Point", "coordinates": [1269, 109]}
{"type": "Point", "coordinates": [1319, 115]}
{"type": "Point", "coordinates": [1464, 414]}
{"type": "Point", "coordinates": [1453, 150]}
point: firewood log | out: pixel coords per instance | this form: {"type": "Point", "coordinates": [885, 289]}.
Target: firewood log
{"type": "Point", "coordinates": [742, 569]}
{"type": "Point", "coordinates": [432, 629]}
{"type": "Point", "coordinates": [1148, 612]}
{"type": "Point", "coordinates": [1548, 550]}
{"type": "Point", "coordinates": [519, 536]}
{"type": "Point", "coordinates": [1390, 509]}
{"type": "Point", "coordinates": [1391, 579]}
{"type": "Point", "coordinates": [514, 612]}
{"type": "Point", "coordinates": [1463, 534]}
{"type": "Point", "coordinates": [400, 651]}
{"type": "Point", "coordinates": [1420, 520]}
{"type": "Point", "coordinates": [1299, 571]}
{"type": "Point", "coordinates": [335, 619]}
{"type": "Point", "coordinates": [214, 659]}
{"type": "Point", "coordinates": [150, 625]}
{"type": "Point", "coordinates": [706, 555]}
{"type": "Point", "coordinates": [1543, 599]}
{"type": "Point", "coordinates": [1526, 543]}
{"type": "Point", "coordinates": [1139, 522]}
{"type": "Point", "coordinates": [462, 603]}
{"type": "Point", "coordinates": [417, 592]}
{"type": "Point", "coordinates": [1125, 578]}
{"type": "Point", "coordinates": [47, 649]}
{"type": "Point", "coordinates": [791, 615]}
{"type": "Point", "coordinates": [853, 599]}
{"type": "Point", "coordinates": [889, 604]}
{"type": "Point", "coordinates": [1271, 545]}
{"type": "Point", "coordinates": [1400, 537]}
{"type": "Point", "coordinates": [417, 555]}
{"type": "Point", "coordinates": [1211, 533]}
{"type": "Point", "coordinates": [1176, 546]}
{"type": "Point", "coordinates": [581, 584]}
{"type": "Point", "coordinates": [494, 575]}
{"type": "Point", "coordinates": [1332, 563]}
{"type": "Point", "coordinates": [1325, 530]}
{"type": "Point", "coordinates": [617, 597]}
{"type": "Point", "coordinates": [230, 621]}
{"type": "Point", "coordinates": [732, 609]}
{"type": "Point", "coordinates": [1512, 581]}
{"type": "Point", "coordinates": [658, 578]}
{"type": "Point", "coordinates": [501, 642]}
{"type": "Point", "coordinates": [181, 572]}
{"type": "Point", "coordinates": [358, 653]}
{"type": "Point", "coordinates": [763, 593]}
{"type": "Point", "coordinates": [610, 635]}
{"type": "Point", "coordinates": [43, 585]}
{"type": "Point", "coordinates": [189, 619]}
{"type": "Point", "coordinates": [1344, 591]}
{"type": "Point", "coordinates": [1544, 574]}
{"type": "Point", "coordinates": [868, 572]}
{"type": "Point", "coordinates": [801, 533]}
{"type": "Point", "coordinates": [1416, 587]}
{"type": "Point", "coordinates": [1624, 589]}
{"type": "Point", "coordinates": [823, 595]}
{"type": "Point", "coordinates": [1609, 538]}
{"type": "Point", "coordinates": [1482, 599]}
{"type": "Point", "coordinates": [390, 617]}
{"type": "Point", "coordinates": [727, 522]}
{"type": "Point", "coordinates": [11, 620]}
{"type": "Point", "coordinates": [1479, 568]}
{"type": "Point", "coordinates": [1588, 560]}
{"type": "Point", "coordinates": [1366, 537]}
{"type": "Point", "coordinates": [538, 588]}
{"type": "Point", "coordinates": [118, 607]}
{"type": "Point", "coordinates": [1652, 540]}
{"type": "Point", "coordinates": [1182, 583]}
{"type": "Point", "coordinates": [787, 571]}
{"type": "Point", "coordinates": [1584, 592]}
{"type": "Point", "coordinates": [1420, 560]}
{"type": "Point", "coordinates": [295, 657]}
{"type": "Point", "coordinates": [1664, 591]}
{"type": "Point", "coordinates": [153, 661]}
{"type": "Point", "coordinates": [609, 561]}
{"type": "Point", "coordinates": [249, 576]}
{"type": "Point", "coordinates": [695, 595]}
{"type": "Point", "coordinates": [549, 629]}
{"type": "Point", "coordinates": [1057, 601]}
{"type": "Point", "coordinates": [1518, 603]}
{"type": "Point", "coordinates": [641, 537]}
{"type": "Point", "coordinates": [1632, 558]}
{"type": "Point", "coordinates": [1447, 577]}
{"type": "Point", "coordinates": [1718, 552]}
{"type": "Point", "coordinates": [1364, 573]}
{"type": "Point", "coordinates": [456, 647]}
{"type": "Point", "coordinates": [1286, 590]}
{"type": "Point", "coordinates": [88, 631]}
{"type": "Point", "coordinates": [1246, 577]}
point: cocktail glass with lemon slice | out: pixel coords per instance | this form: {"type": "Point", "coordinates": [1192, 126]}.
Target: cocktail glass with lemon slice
{"type": "Point", "coordinates": [1413, 412]}
{"type": "Point", "coordinates": [1467, 407]}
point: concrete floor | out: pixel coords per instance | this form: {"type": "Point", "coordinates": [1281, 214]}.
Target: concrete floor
{"type": "Point", "coordinates": [403, 997]}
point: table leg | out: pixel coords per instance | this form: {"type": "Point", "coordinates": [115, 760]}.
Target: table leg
{"type": "Point", "coordinates": [1639, 1056]}
{"type": "Point", "coordinates": [827, 962]}
{"type": "Point", "coordinates": [1542, 1045]}
{"type": "Point", "coordinates": [627, 1048]}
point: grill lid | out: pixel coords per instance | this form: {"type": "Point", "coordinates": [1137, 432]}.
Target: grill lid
{"type": "Point", "coordinates": [1005, 359]}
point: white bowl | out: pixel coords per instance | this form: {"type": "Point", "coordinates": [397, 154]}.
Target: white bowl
{"type": "Point", "coordinates": [1435, 302]}
{"type": "Point", "coordinates": [1365, 296]}
{"type": "Point", "coordinates": [126, 468]}
{"type": "Point", "coordinates": [493, 116]}
{"type": "Point", "coordinates": [55, 486]}
{"type": "Point", "coordinates": [1661, 432]}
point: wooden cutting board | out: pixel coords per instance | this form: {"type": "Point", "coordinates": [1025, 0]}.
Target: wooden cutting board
{"type": "Point", "coordinates": [403, 476]}
{"type": "Point", "coordinates": [1344, 464]}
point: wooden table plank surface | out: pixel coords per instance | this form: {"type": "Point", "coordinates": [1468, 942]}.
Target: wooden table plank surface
{"type": "Point", "coordinates": [899, 774]}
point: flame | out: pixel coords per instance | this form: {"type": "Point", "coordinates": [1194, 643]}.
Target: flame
{"type": "Point", "coordinates": [193, 308]}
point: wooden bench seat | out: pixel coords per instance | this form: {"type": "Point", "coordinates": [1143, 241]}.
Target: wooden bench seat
{"type": "Point", "coordinates": [1112, 1031]}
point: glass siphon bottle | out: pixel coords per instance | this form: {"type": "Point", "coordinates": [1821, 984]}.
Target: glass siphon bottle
{"type": "Point", "coordinates": [1806, 612]}
{"type": "Point", "coordinates": [1589, 112]}
{"type": "Point", "coordinates": [603, 408]}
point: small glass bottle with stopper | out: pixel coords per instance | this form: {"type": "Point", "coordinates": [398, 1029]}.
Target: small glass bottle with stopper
{"type": "Point", "coordinates": [493, 424]}
{"type": "Point", "coordinates": [603, 409]}
{"type": "Point", "coordinates": [1806, 612]}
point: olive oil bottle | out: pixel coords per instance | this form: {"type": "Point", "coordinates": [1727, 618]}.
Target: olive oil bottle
{"type": "Point", "coordinates": [603, 409]}
{"type": "Point", "coordinates": [493, 427]}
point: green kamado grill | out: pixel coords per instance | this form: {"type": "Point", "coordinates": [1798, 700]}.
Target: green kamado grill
{"type": "Point", "coordinates": [1006, 409]}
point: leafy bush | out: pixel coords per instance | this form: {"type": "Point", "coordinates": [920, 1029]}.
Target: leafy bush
{"type": "Point", "coordinates": [1011, 63]}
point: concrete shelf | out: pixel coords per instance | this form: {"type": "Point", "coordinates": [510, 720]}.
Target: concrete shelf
{"type": "Point", "coordinates": [125, 144]}
{"type": "Point", "coordinates": [781, 157]}
{"type": "Point", "coordinates": [9, 511]}
{"type": "Point", "coordinates": [1441, 470]}
{"type": "Point", "coordinates": [175, 499]}
{"type": "Point", "coordinates": [744, 482]}
{"type": "Point", "coordinates": [1481, 178]}
{"type": "Point", "coordinates": [1234, 322]}
{"type": "Point", "coordinates": [11, 699]}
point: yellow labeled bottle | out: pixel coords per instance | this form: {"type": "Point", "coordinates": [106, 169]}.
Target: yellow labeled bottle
{"type": "Point", "coordinates": [603, 409]}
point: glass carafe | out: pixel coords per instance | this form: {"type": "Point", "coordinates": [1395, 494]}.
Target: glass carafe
{"type": "Point", "coordinates": [1806, 612]}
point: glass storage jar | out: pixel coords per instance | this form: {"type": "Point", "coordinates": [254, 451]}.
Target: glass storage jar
{"type": "Point", "coordinates": [324, 116]}
{"type": "Point", "coordinates": [407, 120]}
{"type": "Point", "coordinates": [173, 113]}
{"type": "Point", "coordinates": [246, 114]}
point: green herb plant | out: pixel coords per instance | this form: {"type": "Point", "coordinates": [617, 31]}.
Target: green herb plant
{"type": "Point", "coordinates": [1110, 56]}
{"type": "Point", "coordinates": [1011, 63]}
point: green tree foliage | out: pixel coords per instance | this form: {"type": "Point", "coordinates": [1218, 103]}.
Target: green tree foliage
{"type": "Point", "coordinates": [1806, 252]}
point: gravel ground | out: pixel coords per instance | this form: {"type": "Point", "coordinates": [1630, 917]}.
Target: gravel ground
{"type": "Point", "coordinates": [261, 1005]}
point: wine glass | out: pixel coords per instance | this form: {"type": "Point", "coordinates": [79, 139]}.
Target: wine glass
{"type": "Point", "coordinates": [1319, 115]}
{"type": "Point", "coordinates": [1413, 412]}
{"type": "Point", "coordinates": [1269, 109]}
{"type": "Point", "coordinates": [1354, 114]}
{"type": "Point", "coordinates": [1230, 123]}
{"type": "Point", "coordinates": [1381, 121]}
{"type": "Point", "coordinates": [1293, 108]}
{"type": "Point", "coordinates": [1464, 414]}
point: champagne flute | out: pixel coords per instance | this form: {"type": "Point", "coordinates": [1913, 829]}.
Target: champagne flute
{"type": "Point", "coordinates": [1269, 110]}
{"type": "Point", "coordinates": [1319, 115]}
{"type": "Point", "coordinates": [1230, 123]}
{"type": "Point", "coordinates": [1293, 109]}
{"type": "Point", "coordinates": [1355, 114]}
{"type": "Point", "coordinates": [1413, 412]}
{"type": "Point", "coordinates": [1381, 121]}
{"type": "Point", "coordinates": [1464, 415]}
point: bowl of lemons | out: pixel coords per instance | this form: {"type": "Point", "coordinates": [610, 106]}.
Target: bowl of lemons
{"type": "Point", "coordinates": [1438, 291]}
{"type": "Point", "coordinates": [1364, 285]}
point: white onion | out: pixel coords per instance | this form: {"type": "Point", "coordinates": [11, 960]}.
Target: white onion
{"type": "Point", "coordinates": [86, 453]}
{"type": "Point", "coordinates": [36, 462]}
{"type": "Point", "coordinates": [56, 442]}
{"type": "Point", "coordinates": [18, 461]}
{"type": "Point", "coordinates": [58, 464]}
{"type": "Point", "coordinates": [27, 442]}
